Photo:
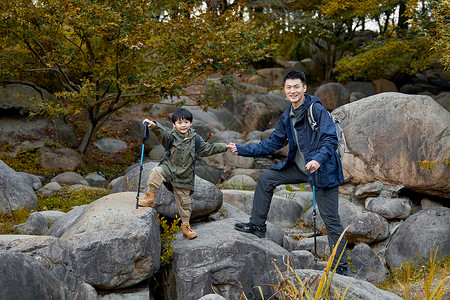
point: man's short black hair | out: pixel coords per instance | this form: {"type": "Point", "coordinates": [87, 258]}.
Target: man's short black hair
{"type": "Point", "coordinates": [181, 114]}
{"type": "Point", "coordinates": [294, 74]}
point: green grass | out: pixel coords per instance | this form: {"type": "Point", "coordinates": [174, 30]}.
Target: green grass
{"type": "Point", "coordinates": [62, 201]}
{"type": "Point", "coordinates": [65, 200]}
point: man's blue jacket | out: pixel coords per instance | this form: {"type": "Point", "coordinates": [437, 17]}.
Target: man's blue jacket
{"type": "Point", "coordinates": [320, 146]}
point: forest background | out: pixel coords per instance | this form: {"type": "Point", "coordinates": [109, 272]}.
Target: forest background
{"type": "Point", "coordinates": [97, 56]}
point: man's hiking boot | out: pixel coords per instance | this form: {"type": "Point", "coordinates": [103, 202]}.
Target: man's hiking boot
{"type": "Point", "coordinates": [148, 201]}
{"type": "Point", "coordinates": [259, 231]}
{"type": "Point", "coordinates": [341, 271]}
{"type": "Point", "coordinates": [187, 231]}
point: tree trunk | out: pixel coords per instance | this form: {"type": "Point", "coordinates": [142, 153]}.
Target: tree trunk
{"type": "Point", "coordinates": [87, 137]}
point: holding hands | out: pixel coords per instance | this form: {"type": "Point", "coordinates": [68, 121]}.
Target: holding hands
{"type": "Point", "coordinates": [233, 149]}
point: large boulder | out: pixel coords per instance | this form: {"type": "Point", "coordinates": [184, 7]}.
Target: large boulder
{"type": "Point", "coordinates": [258, 109]}
{"type": "Point", "coordinates": [387, 134]}
{"type": "Point", "coordinates": [418, 235]}
{"type": "Point", "coordinates": [15, 193]}
{"type": "Point", "coordinates": [269, 77]}
{"type": "Point", "coordinates": [390, 208]}
{"type": "Point", "coordinates": [23, 277]}
{"type": "Point", "coordinates": [366, 265]}
{"type": "Point", "coordinates": [368, 228]}
{"type": "Point", "coordinates": [332, 95]}
{"type": "Point", "coordinates": [222, 260]}
{"type": "Point", "coordinates": [359, 289]}
{"type": "Point", "coordinates": [15, 101]}
{"type": "Point", "coordinates": [112, 244]}
{"type": "Point", "coordinates": [60, 158]}
{"type": "Point", "coordinates": [206, 198]}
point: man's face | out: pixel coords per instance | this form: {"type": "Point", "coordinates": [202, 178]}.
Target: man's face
{"type": "Point", "coordinates": [295, 91]}
{"type": "Point", "coordinates": [183, 126]}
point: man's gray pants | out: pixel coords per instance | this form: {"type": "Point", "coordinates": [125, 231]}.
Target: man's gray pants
{"type": "Point", "coordinates": [327, 200]}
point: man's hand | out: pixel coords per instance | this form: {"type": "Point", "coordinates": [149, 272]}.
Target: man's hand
{"type": "Point", "coordinates": [149, 123]}
{"type": "Point", "coordinates": [233, 149]}
{"type": "Point", "coordinates": [312, 166]}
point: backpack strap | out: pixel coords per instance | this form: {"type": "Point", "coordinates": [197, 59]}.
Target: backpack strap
{"type": "Point", "coordinates": [168, 147]}
{"type": "Point", "coordinates": [312, 122]}
{"type": "Point", "coordinates": [170, 143]}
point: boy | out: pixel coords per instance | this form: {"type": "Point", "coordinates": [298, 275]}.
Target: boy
{"type": "Point", "coordinates": [178, 167]}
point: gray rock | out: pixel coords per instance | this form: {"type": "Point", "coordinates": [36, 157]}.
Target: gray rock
{"type": "Point", "coordinates": [226, 137]}
{"type": "Point", "coordinates": [365, 88]}
{"type": "Point", "coordinates": [332, 95]}
{"type": "Point", "coordinates": [240, 182]}
{"type": "Point", "coordinates": [323, 248]}
{"type": "Point", "coordinates": [227, 211]}
{"type": "Point", "coordinates": [50, 188]}
{"type": "Point", "coordinates": [372, 153]}
{"type": "Point", "coordinates": [60, 158]}
{"type": "Point", "coordinates": [254, 135]}
{"type": "Point", "coordinates": [222, 259]}
{"type": "Point", "coordinates": [355, 96]}
{"type": "Point", "coordinates": [347, 210]}
{"type": "Point", "coordinates": [268, 77]}
{"type": "Point", "coordinates": [384, 85]}
{"type": "Point", "coordinates": [23, 277]}
{"type": "Point", "coordinates": [289, 243]}
{"type": "Point", "coordinates": [304, 198]}
{"type": "Point", "coordinates": [95, 179]}
{"type": "Point", "coordinates": [212, 297]}
{"type": "Point", "coordinates": [65, 222]}
{"type": "Point", "coordinates": [113, 182]}
{"type": "Point", "coordinates": [86, 292]}
{"type": "Point", "coordinates": [114, 245]}
{"type": "Point", "coordinates": [69, 178]}
{"type": "Point", "coordinates": [82, 187]}
{"type": "Point", "coordinates": [35, 224]}
{"type": "Point", "coordinates": [157, 153]}
{"type": "Point", "coordinates": [359, 289]}
{"type": "Point", "coordinates": [51, 216]}
{"type": "Point", "coordinates": [427, 203]}
{"type": "Point", "coordinates": [15, 193]}
{"type": "Point", "coordinates": [283, 212]}
{"type": "Point", "coordinates": [372, 189]}
{"type": "Point", "coordinates": [368, 228]}
{"type": "Point", "coordinates": [443, 99]}
{"type": "Point", "coordinates": [110, 145]}
{"type": "Point", "coordinates": [301, 259]}
{"type": "Point", "coordinates": [32, 180]}
{"type": "Point", "coordinates": [206, 198]}
{"type": "Point", "coordinates": [390, 208]}
{"type": "Point", "coordinates": [416, 237]}
{"type": "Point", "coordinates": [221, 119]}
{"type": "Point", "coordinates": [366, 265]}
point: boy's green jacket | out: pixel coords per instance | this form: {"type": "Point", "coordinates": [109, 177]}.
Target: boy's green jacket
{"type": "Point", "coordinates": [179, 167]}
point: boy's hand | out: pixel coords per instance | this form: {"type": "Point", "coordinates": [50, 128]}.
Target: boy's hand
{"type": "Point", "coordinates": [232, 147]}
{"type": "Point", "coordinates": [149, 123]}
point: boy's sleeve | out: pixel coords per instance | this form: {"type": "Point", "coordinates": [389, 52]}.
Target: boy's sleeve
{"type": "Point", "coordinates": [161, 134]}
{"type": "Point", "coordinates": [207, 149]}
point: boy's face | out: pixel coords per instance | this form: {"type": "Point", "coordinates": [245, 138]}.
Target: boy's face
{"type": "Point", "coordinates": [183, 126]}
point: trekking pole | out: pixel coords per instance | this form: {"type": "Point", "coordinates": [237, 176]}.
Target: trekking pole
{"type": "Point", "coordinates": [146, 134]}
{"type": "Point", "coordinates": [313, 177]}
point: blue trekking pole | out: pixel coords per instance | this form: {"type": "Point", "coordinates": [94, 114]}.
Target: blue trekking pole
{"type": "Point", "coordinates": [146, 134]}
{"type": "Point", "coordinates": [313, 178]}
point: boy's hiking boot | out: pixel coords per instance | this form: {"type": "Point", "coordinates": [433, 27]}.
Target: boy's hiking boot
{"type": "Point", "coordinates": [148, 201]}
{"type": "Point", "coordinates": [259, 231]}
{"type": "Point", "coordinates": [187, 231]}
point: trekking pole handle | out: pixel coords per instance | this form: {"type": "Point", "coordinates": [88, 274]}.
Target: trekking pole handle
{"type": "Point", "coordinates": [146, 132]}
{"type": "Point", "coordinates": [313, 178]}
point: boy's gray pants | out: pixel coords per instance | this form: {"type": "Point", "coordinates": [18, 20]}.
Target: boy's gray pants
{"type": "Point", "coordinates": [327, 200]}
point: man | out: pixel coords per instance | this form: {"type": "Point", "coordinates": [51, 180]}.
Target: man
{"type": "Point", "coordinates": [309, 152]}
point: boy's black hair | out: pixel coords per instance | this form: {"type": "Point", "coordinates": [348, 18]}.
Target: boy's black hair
{"type": "Point", "coordinates": [181, 114]}
{"type": "Point", "coordinates": [294, 74]}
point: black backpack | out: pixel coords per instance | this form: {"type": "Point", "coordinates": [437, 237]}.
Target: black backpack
{"type": "Point", "coordinates": [339, 132]}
